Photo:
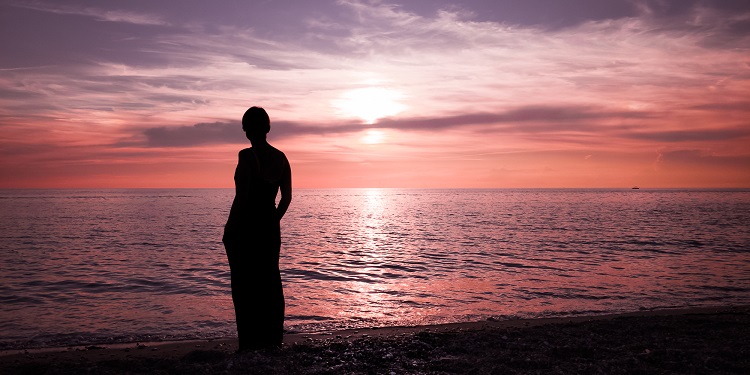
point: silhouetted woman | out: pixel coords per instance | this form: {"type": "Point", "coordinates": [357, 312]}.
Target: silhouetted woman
{"type": "Point", "coordinates": [252, 237]}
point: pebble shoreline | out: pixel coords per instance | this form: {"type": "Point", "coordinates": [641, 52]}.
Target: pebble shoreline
{"type": "Point", "coordinates": [684, 341]}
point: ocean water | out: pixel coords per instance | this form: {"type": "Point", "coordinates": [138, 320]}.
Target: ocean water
{"type": "Point", "coordinates": [105, 266]}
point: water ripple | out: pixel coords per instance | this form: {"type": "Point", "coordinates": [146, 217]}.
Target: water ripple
{"type": "Point", "coordinates": [81, 266]}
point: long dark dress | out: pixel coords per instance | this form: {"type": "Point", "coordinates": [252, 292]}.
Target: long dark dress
{"type": "Point", "coordinates": [252, 242]}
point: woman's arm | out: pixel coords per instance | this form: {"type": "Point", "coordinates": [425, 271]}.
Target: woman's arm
{"type": "Point", "coordinates": [237, 202]}
{"type": "Point", "coordinates": [285, 186]}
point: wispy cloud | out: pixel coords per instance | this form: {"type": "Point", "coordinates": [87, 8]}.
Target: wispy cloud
{"type": "Point", "coordinates": [100, 14]}
{"type": "Point", "coordinates": [693, 135]}
{"type": "Point", "coordinates": [662, 79]}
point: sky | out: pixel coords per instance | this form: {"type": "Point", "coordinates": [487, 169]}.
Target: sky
{"type": "Point", "coordinates": [412, 94]}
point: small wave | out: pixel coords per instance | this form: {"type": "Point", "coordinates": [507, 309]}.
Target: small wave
{"type": "Point", "coordinates": [292, 273]}
{"type": "Point", "coordinates": [724, 288]}
{"type": "Point", "coordinates": [314, 318]}
{"type": "Point", "coordinates": [20, 300]}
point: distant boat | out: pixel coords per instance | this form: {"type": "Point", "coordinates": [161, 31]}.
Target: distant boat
{"type": "Point", "coordinates": [635, 187]}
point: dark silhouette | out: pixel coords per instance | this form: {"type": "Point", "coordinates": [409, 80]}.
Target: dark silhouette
{"type": "Point", "coordinates": [252, 238]}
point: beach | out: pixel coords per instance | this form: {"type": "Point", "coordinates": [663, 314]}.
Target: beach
{"type": "Point", "coordinates": [680, 341]}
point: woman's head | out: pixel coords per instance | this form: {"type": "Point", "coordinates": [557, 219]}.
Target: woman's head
{"type": "Point", "coordinates": [255, 122]}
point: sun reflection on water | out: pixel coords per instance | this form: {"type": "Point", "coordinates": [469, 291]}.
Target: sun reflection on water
{"type": "Point", "coordinates": [372, 250]}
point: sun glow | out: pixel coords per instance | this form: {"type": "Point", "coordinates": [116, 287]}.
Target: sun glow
{"type": "Point", "coordinates": [370, 103]}
{"type": "Point", "coordinates": [373, 137]}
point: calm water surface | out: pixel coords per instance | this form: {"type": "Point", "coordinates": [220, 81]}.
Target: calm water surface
{"type": "Point", "coordinates": [103, 266]}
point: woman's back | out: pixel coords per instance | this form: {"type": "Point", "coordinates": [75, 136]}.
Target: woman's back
{"type": "Point", "coordinates": [259, 175]}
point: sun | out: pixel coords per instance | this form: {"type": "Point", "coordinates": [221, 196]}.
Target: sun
{"type": "Point", "coordinates": [369, 103]}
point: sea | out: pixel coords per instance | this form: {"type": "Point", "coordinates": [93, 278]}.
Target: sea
{"type": "Point", "coordinates": [85, 267]}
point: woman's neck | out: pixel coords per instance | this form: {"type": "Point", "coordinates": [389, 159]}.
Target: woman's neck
{"type": "Point", "coordinates": [259, 143]}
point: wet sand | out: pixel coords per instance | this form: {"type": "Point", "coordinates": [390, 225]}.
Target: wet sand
{"type": "Point", "coordinates": [680, 341]}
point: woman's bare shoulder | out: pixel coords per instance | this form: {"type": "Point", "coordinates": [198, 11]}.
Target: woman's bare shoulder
{"type": "Point", "coordinates": [278, 154]}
